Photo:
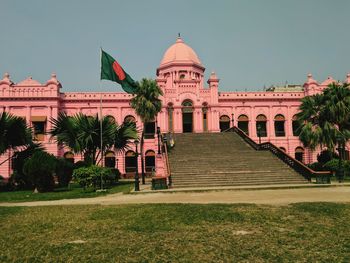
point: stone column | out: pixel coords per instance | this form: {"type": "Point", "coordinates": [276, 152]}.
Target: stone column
{"type": "Point", "coordinates": [29, 113]}
{"type": "Point", "coordinates": [270, 124]}
{"type": "Point", "coordinates": [177, 118]}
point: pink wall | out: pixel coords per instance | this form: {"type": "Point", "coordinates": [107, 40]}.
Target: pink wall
{"type": "Point", "coordinates": [181, 77]}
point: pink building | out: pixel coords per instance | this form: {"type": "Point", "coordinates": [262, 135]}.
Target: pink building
{"type": "Point", "coordinates": [189, 105]}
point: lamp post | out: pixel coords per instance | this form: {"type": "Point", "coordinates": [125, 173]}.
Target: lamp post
{"type": "Point", "coordinates": [137, 181]}
{"type": "Point", "coordinates": [259, 132]}
{"type": "Point", "coordinates": [340, 171]}
{"type": "Point", "coordinates": [158, 134]}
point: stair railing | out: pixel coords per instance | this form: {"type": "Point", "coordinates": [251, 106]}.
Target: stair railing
{"type": "Point", "coordinates": [296, 165]}
{"type": "Point", "coordinates": [164, 150]}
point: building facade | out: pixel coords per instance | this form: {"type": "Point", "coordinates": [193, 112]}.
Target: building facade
{"type": "Point", "coordinates": [189, 105]}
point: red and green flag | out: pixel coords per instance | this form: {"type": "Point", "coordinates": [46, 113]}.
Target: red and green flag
{"type": "Point", "coordinates": [111, 70]}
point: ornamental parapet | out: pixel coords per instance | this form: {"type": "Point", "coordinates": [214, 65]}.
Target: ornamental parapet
{"type": "Point", "coordinates": [260, 95]}
{"type": "Point", "coordinates": [96, 96]}
{"type": "Point", "coordinates": [29, 88]}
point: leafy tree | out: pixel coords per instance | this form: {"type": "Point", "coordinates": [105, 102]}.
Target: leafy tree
{"type": "Point", "coordinates": [14, 132]}
{"type": "Point", "coordinates": [325, 156]}
{"type": "Point", "coordinates": [81, 133]}
{"type": "Point", "coordinates": [64, 171]}
{"type": "Point", "coordinates": [147, 104]}
{"type": "Point", "coordinates": [40, 169]}
{"type": "Point", "coordinates": [324, 118]}
{"type": "Point", "coordinates": [18, 179]}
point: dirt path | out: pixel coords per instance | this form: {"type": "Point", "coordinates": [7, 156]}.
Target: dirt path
{"type": "Point", "coordinates": [269, 197]}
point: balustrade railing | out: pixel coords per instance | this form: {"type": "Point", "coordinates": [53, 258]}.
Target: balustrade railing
{"type": "Point", "coordinates": [166, 157]}
{"type": "Point", "coordinates": [163, 181]}
{"type": "Point", "coordinates": [296, 165]}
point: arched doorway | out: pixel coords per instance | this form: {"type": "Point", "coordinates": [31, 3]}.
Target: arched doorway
{"type": "Point", "coordinates": [261, 130]}
{"type": "Point", "coordinates": [110, 159]}
{"type": "Point", "coordinates": [299, 154]}
{"type": "Point", "coordinates": [69, 156]}
{"type": "Point", "coordinates": [150, 162]}
{"type": "Point", "coordinates": [243, 123]}
{"type": "Point", "coordinates": [130, 162]}
{"type": "Point", "coordinates": [187, 116]}
{"type": "Point", "coordinates": [279, 125]}
{"type": "Point", "coordinates": [224, 123]}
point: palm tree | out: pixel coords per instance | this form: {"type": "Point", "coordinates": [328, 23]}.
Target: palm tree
{"type": "Point", "coordinates": [324, 118]}
{"type": "Point", "coordinates": [147, 104]}
{"type": "Point", "coordinates": [14, 132]}
{"type": "Point", "coordinates": [81, 133]}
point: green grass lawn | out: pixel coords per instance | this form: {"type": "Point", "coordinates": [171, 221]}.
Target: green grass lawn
{"type": "Point", "coordinates": [73, 191]}
{"type": "Point", "coordinates": [306, 232]}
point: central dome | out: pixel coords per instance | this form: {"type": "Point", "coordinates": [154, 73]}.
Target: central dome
{"type": "Point", "coordinates": [180, 52]}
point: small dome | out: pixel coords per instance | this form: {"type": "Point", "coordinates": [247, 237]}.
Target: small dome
{"type": "Point", "coordinates": [29, 82]}
{"type": "Point", "coordinates": [180, 52]}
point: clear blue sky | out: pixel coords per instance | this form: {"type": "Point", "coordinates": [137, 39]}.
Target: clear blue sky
{"type": "Point", "coordinates": [248, 43]}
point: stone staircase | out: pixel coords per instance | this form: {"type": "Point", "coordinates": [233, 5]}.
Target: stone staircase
{"type": "Point", "coordinates": [224, 159]}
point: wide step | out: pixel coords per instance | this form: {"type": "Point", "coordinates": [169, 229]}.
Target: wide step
{"type": "Point", "coordinates": [224, 159]}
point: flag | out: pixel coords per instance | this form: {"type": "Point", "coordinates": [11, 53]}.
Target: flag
{"type": "Point", "coordinates": [111, 70]}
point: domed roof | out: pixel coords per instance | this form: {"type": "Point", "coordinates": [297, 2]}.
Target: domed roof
{"type": "Point", "coordinates": [180, 52]}
{"type": "Point", "coordinates": [29, 82]}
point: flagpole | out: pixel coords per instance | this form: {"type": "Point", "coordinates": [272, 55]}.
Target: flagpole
{"type": "Point", "coordinates": [101, 137]}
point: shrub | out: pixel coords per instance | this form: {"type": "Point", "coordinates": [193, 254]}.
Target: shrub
{"type": "Point", "coordinates": [91, 176]}
{"type": "Point", "coordinates": [325, 156]}
{"type": "Point", "coordinates": [113, 177]}
{"type": "Point", "coordinates": [332, 165]}
{"type": "Point", "coordinates": [4, 186]}
{"type": "Point", "coordinates": [18, 180]}
{"type": "Point", "coordinates": [64, 171]}
{"type": "Point", "coordinates": [316, 166]}
{"type": "Point", "coordinates": [80, 164]}
{"type": "Point", "coordinates": [39, 169]}
{"type": "Point", "coordinates": [347, 167]}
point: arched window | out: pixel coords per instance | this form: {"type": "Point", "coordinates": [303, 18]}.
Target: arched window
{"type": "Point", "coordinates": [110, 159]}
{"type": "Point", "coordinates": [187, 105]}
{"type": "Point", "coordinates": [299, 154]}
{"type": "Point", "coordinates": [69, 156]}
{"type": "Point", "coordinates": [224, 123]}
{"type": "Point", "coordinates": [129, 118]}
{"type": "Point", "coordinates": [110, 118]}
{"type": "Point", "coordinates": [279, 125]}
{"type": "Point", "coordinates": [182, 74]}
{"type": "Point", "coordinates": [205, 116]}
{"type": "Point", "coordinates": [283, 149]}
{"type": "Point", "coordinates": [261, 130]}
{"type": "Point", "coordinates": [243, 123]}
{"type": "Point", "coordinates": [150, 129]}
{"type": "Point", "coordinates": [295, 126]}
{"type": "Point", "coordinates": [130, 162]}
{"type": "Point", "coordinates": [150, 162]}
